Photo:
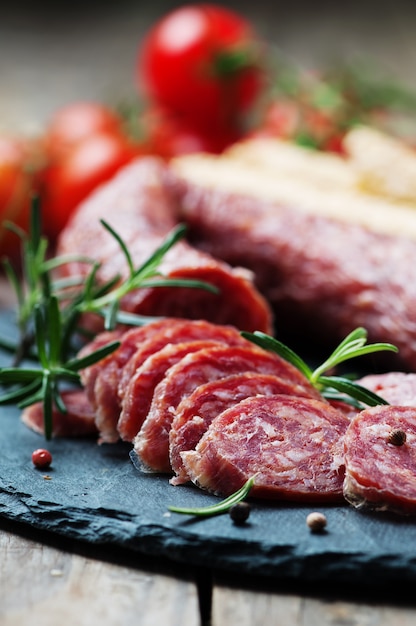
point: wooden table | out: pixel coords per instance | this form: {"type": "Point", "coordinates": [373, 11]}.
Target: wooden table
{"type": "Point", "coordinates": [47, 59]}
{"type": "Point", "coordinates": [50, 582]}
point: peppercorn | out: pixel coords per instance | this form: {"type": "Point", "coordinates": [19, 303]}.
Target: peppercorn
{"type": "Point", "coordinates": [41, 458]}
{"type": "Point", "coordinates": [239, 512]}
{"type": "Point", "coordinates": [316, 522]}
{"type": "Point", "coordinates": [397, 437]}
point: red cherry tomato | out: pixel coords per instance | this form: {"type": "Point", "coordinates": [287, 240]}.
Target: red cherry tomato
{"type": "Point", "coordinates": [41, 458]}
{"type": "Point", "coordinates": [19, 163]}
{"type": "Point", "coordinates": [75, 122]}
{"type": "Point", "coordinates": [68, 181]}
{"type": "Point", "coordinates": [202, 61]}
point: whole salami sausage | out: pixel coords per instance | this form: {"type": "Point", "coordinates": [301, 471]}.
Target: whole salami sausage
{"type": "Point", "coordinates": [380, 459]}
{"type": "Point", "coordinates": [293, 446]}
{"type": "Point", "coordinates": [311, 267]}
{"type": "Point", "coordinates": [151, 444]}
{"type": "Point", "coordinates": [195, 412]}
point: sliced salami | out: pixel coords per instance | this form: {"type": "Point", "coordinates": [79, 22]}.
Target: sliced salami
{"type": "Point", "coordinates": [106, 376]}
{"type": "Point", "coordinates": [139, 392]}
{"type": "Point", "coordinates": [89, 374]}
{"type": "Point", "coordinates": [188, 330]}
{"type": "Point", "coordinates": [145, 214]}
{"type": "Point", "coordinates": [152, 442]}
{"type": "Point", "coordinates": [78, 421]}
{"type": "Point", "coordinates": [293, 446]}
{"type": "Point", "coordinates": [397, 388]}
{"type": "Point", "coordinates": [195, 412]}
{"type": "Point", "coordinates": [380, 459]}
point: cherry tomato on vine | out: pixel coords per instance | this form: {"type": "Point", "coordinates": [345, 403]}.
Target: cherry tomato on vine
{"type": "Point", "coordinates": [70, 179]}
{"type": "Point", "coordinates": [202, 61]}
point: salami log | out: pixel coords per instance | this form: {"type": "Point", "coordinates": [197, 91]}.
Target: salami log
{"type": "Point", "coordinates": [326, 263]}
{"type": "Point", "coordinates": [139, 207]}
{"type": "Point", "coordinates": [78, 421]}
{"type": "Point", "coordinates": [380, 459]}
{"type": "Point", "coordinates": [195, 412]}
{"type": "Point", "coordinates": [139, 392]}
{"type": "Point", "coordinates": [293, 446]}
{"type": "Point", "coordinates": [152, 441]}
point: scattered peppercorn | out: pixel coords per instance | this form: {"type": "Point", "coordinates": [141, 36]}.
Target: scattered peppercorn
{"type": "Point", "coordinates": [316, 522]}
{"type": "Point", "coordinates": [397, 437]}
{"type": "Point", "coordinates": [239, 512]}
{"type": "Point", "coordinates": [41, 458]}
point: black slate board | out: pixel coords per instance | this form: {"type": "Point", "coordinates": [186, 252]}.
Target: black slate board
{"type": "Point", "coordinates": [95, 495]}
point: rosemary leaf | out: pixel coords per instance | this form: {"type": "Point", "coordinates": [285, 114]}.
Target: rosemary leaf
{"type": "Point", "coordinates": [121, 244]}
{"type": "Point", "coordinates": [270, 343]}
{"type": "Point", "coordinates": [77, 364]}
{"type": "Point", "coordinates": [352, 346]}
{"type": "Point", "coordinates": [221, 507]}
{"type": "Point", "coordinates": [352, 389]}
{"type": "Point", "coordinates": [18, 395]}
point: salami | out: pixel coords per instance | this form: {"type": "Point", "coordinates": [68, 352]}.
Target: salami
{"type": "Point", "coordinates": [89, 374]}
{"type": "Point", "coordinates": [397, 388]}
{"type": "Point", "coordinates": [310, 266]}
{"type": "Point", "coordinates": [78, 421]}
{"type": "Point", "coordinates": [380, 459]}
{"type": "Point", "coordinates": [106, 373]}
{"type": "Point", "coordinates": [139, 392]}
{"type": "Point", "coordinates": [188, 330]}
{"type": "Point", "coordinates": [195, 412]}
{"type": "Point", "coordinates": [293, 446]}
{"type": "Point", "coordinates": [152, 441]}
{"type": "Point", "coordinates": [137, 204]}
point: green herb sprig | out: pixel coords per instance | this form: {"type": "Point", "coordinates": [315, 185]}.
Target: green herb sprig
{"type": "Point", "coordinates": [49, 313]}
{"type": "Point", "coordinates": [331, 387]}
{"type": "Point", "coordinates": [221, 507]}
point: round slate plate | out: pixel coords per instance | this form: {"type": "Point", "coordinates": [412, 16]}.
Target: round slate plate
{"type": "Point", "coordinates": [94, 494]}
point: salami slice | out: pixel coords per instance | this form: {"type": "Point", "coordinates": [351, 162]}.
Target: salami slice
{"type": "Point", "coordinates": [106, 376]}
{"type": "Point", "coordinates": [380, 459]}
{"type": "Point", "coordinates": [188, 330]}
{"type": "Point", "coordinates": [293, 446]}
{"type": "Point", "coordinates": [152, 441]}
{"type": "Point", "coordinates": [89, 374]}
{"type": "Point", "coordinates": [397, 388]}
{"type": "Point", "coordinates": [144, 215]}
{"type": "Point", "coordinates": [195, 412]}
{"type": "Point", "coordinates": [78, 421]}
{"type": "Point", "coordinates": [139, 392]}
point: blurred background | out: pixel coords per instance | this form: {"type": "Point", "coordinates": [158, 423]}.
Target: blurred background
{"type": "Point", "coordinates": [52, 53]}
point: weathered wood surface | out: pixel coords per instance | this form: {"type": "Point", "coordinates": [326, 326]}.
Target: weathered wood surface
{"type": "Point", "coordinates": [242, 607]}
{"type": "Point", "coordinates": [44, 585]}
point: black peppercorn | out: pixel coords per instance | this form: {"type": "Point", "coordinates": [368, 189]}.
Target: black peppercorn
{"type": "Point", "coordinates": [239, 512]}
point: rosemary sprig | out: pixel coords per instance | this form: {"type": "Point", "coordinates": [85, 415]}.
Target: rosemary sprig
{"type": "Point", "coordinates": [331, 387]}
{"type": "Point", "coordinates": [49, 314]}
{"type": "Point", "coordinates": [219, 508]}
